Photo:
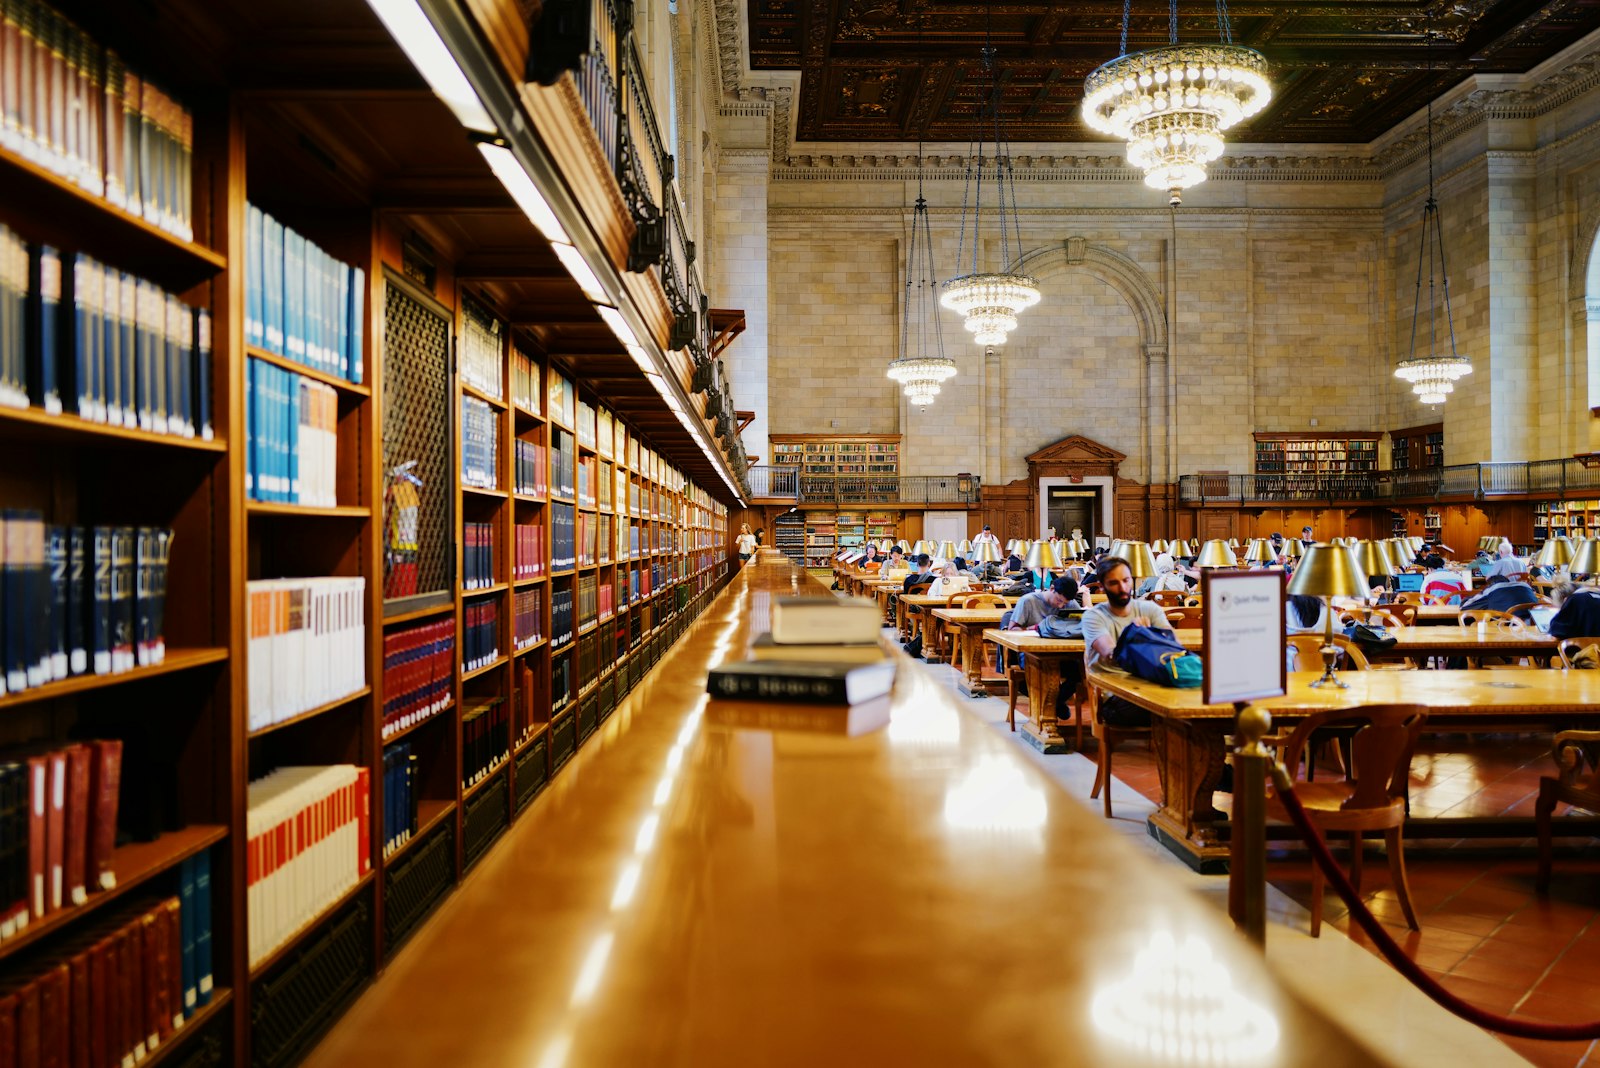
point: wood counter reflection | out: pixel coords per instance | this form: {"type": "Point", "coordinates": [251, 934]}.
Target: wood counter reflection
{"type": "Point", "coordinates": [710, 886]}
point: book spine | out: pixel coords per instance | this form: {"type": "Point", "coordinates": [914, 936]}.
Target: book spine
{"type": "Point", "coordinates": [777, 687]}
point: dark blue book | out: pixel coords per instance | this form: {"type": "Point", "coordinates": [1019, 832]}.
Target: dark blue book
{"type": "Point", "coordinates": [186, 917]}
{"type": "Point", "coordinates": [128, 347]}
{"type": "Point", "coordinates": [80, 600]}
{"type": "Point", "coordinates": [56, 606]}
{"type": "Point", "coordinates": [202, 375]}
{"type": "Point", "coordinates": [44, 310]}
{"type": "Point", "coordinates": [202, 927]}
{"type": "Point", "coordinates": [100, 634]}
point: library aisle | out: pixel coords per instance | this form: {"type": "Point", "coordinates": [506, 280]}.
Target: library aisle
{"type": "Point", "coordinates": [737, 883]}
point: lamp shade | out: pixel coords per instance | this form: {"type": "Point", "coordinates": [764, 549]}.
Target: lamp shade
{"type": "Point", "coordinates": [1586, 561]}
{"type": "Point", "coordinates": [921, 547]}
{"type": "Point", "coordinates": [1116, 547]}
{"type": "Point", "coordinates": [1140, 559]}
{"type": "Point", "coordinates": [1041, 555]}
{"type": "Point", "coordinates": [1215, 553]}
{"type": "Point", "coordinates": [1555, 552]}
{"type": "Point", "coordinates": [963, 548]}
{"type": "Point", "coordinates": [986, 552]}
{"type": "Point", "coordinates": [1233, 543]}
{"type": "Point", "coordinates": [947, 550]}
{"type": "Point", "coordinates": [1292, 548]}
{"type": "Point", "coordinates": [1011, 546]}
{"type": "Point", "coordinates": [1329, 571]}
{"type": "Point", "coordinates": [1416, 543]}
{"type": "Point", "coordinates": [1259, 552]}
{"type": "Point", "coordinates": [1372, 558]}
{"type": "Point", "coordinates": [1159, 545]}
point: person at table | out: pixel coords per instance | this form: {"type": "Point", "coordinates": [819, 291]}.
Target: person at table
{"type": "Point", "coordinates": [921, 577]}
{"type": "Point", "coordinates": [1062, 594]}
{"type": "Point", "coordinates": [1277, 543]}
{"type": "Point", "coordinates": [986, 535]}
{"type": "Point", "coordinates": [1502, 594]}
{"type": "Point", "coordinates": [871, 561]}
{"type": "Point", "coordinates": [1578, 611]}
{"type": "Point", "coordinates": [948, 579]}
{"type": "Point", "coordinates": [1014, 565]}
{"type": "Point", "coordinates": [1166, 578]}
{"type": "Point", "coordinates": [1439, 575]}
{"type": "Point", "coordinates": [1306, 540]}
{"type": "Point", "coordinates": [747, 543]}
{"type": "Point", "coordinates": [1506, 562]}
{"type": "Point", "coordinates": [1104, 623]}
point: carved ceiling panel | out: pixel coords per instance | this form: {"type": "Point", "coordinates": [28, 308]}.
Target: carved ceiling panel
{"type": "Point", "coordinates": [1345, 71]}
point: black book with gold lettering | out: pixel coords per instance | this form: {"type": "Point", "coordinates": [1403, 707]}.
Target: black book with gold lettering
{"type": "Point", "coordinates": [802, 681]}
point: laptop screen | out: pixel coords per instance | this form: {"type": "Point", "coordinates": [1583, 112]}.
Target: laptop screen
{"type": "Point", "coordinates": [1410, 581]}
{"type": "Point", "coordinates": [1542, 615]}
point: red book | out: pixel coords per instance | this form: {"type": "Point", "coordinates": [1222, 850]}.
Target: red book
{"type": "Point", "coordinates": [55, 850]}
{"type": "Point", "coordinates": [28, 1026]}
{"type": "Point", "coordinates": [174, 928]}
{"type": "Point", "coordinates": [102, 981]}
{"type": "Point", "coordinates": [105, 780]}
{"type": "Point", "coordinates": [363, 819]}
{"type": "Point", "coordinates": [132, 992]}
{"type": "Point", "coordinates": [79, 1022]}
{"type": "Point", "coordinates": [77, 846]}
{"type": "Point", "coordinates": [8, 1028]}
{"type": "Point", "coordinates": [38, 809]}
{"type": "Point", "coordinates": [156, 1020]}
{"type": "Point", "coordinates": [54, 1009]}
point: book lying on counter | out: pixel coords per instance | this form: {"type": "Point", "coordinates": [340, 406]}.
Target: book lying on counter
{"type": "Point", "coordinates": [764, 648]}
{"type": "Point", "coordinates": [802, 682]}
{"type": "Point", "coordinates": [820, 620]}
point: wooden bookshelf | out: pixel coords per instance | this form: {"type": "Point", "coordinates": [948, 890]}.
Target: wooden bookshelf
{"type": "Point", "coordinates": [401, 216]}
{"type": "Point", "coordinates": [853, 469]}
{"type": "Point", "coordinates": [1304, 467]}
{"type": "Point", "coordinates": [1417, 448]}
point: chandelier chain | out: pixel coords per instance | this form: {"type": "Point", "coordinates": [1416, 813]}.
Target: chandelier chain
{"type": "Point", "coordinates": [1172, 22]}
{"type": "Point", "coordinates": [1127, 13]}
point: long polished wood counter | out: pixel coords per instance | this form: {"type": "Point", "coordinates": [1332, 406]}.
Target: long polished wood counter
{"type": "Point", "coordinates": [710, 885]}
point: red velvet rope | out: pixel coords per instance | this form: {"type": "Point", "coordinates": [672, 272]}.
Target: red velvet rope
{"type": "Point", "coordinates": [1407, 967]}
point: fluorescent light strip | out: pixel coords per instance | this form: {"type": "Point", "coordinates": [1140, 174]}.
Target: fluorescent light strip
{"type": "Point", "coordinates": [619, 326]}
{"type": "Point", "coordinates": [524, 192]}
{"type": "Point", "coordinates": [578, 267]}
{"type": "Point", "coordinates": [416, 36]}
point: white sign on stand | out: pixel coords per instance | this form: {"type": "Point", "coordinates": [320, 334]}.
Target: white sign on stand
{"type": "Point", "coordinates": [1243, 636]}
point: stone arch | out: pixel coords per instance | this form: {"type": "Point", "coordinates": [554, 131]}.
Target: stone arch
{"type": "Point", "coordinates": [1115, 269]}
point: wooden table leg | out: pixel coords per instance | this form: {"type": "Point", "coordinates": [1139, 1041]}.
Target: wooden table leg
{"type": "Point", "coordinates": [1044, 682]}
{"type": "Point", "coordinates": [972, 657]}
{"type": "Point", "coordinates": [901, 621]}
{"type": "Point", "coordinates": [1189, 761]}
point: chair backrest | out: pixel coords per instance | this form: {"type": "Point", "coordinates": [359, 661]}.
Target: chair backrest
{"type": "Point", "coordinates": [1408, 597]}
{"type": "Point", "coordinates": [1308, 651]}
{"type": "Point", "coordinates": [1400, 615]}
{"type": "Point", "coordinates": [1569, 648]}
{"type": "Point", "coordinates": [981, 600]}
{"type": "Point", "coordinates": [1168, 598]}
{"type": "Point", "coordinates": [1471, 617]}
{"type": "Point", "coordinates": [1521, 611]}
{"type": "Point", "coordinates": [1381, 749]}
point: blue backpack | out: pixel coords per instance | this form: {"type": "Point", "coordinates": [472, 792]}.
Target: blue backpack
{"type": "Point", "coordinates": [1156, 655]}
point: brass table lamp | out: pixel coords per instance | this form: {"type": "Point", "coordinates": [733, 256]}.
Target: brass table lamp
{"type": "Point", "coordinates": [1329, 571]}
{"type": "Point", "coordinates": [1215, 553]}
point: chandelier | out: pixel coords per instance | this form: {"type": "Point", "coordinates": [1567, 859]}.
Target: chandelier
{"type": "Point", "coordinates": [1172, 105]}
{"type": "Point", "coordinates": [1434, 370]}
{"type": "Point", "coordinates": [989, 301]}
{"type": "Point", "coordinates": [921, 368]}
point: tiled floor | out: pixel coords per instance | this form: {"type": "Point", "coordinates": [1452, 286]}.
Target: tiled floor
{"type": "Point", "coordinates": [1485, 932]}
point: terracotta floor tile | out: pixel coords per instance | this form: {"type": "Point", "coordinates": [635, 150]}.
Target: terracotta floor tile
{"type": "Point", "coordinates": [1489, 969]}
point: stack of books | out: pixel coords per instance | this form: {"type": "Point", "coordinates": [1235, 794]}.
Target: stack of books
{"type": "Point", "coordinates": [821, 651]}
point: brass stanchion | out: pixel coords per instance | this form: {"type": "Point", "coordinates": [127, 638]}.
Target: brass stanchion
{"type": "Point", "coordinates": [1247, 845]}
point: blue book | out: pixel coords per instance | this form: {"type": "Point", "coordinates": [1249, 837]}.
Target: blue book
{"type": "Point", "coordinates": [252, 423]}
{"type": "Point", "coordinates": [294, 295]}
{"type": "Point", "coordinates": [177, 357]}
{"type": "Point", "coordinates": [253, 276]}
{"type": "Point", "coordinates": [293, 383]}
{"type": "Point", "coordinates": [128, 346]}
{"type": "Point", "coordinates": [309, 303]}
{"type": "Point", "coordinates": [44, 298]}
{"type": "Point", "coordinates": [186, 916]}
{"type": "Point", "coordinates": [322, 311]}
{"type": "Point", "coordinates": [341, 317]}
{"type": "Point", "coordinates": [202, 927]}
{"type": "Point", "coordinates": [356, 311]}
{"type": "Point", "coordinates": [272, 284]}
{"type": "Point", "coordinates": [271, 428]}
{"type": "Point", "coordinates": [202, 374]}
{"type": "Point", "coordinates": [111, 348]}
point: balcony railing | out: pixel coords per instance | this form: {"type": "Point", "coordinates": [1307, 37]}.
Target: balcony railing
{"type": "Point", "coordinates": [786, 483]}
{"type": "Point", "coordinates": [1553, 477]}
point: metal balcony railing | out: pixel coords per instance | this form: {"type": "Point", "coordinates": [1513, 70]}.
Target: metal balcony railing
{"type": "Point", "coordinates": [1554, 477]}
{"type": "Point", "coordinates": [786, 483]}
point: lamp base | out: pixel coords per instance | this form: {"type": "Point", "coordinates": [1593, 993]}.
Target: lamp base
{"type": "Point", "coordinates": [1330, 657]}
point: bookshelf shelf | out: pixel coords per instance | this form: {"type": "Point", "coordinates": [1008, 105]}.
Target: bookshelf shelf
{"type": "Point", "coordinates": [40, 426]}
{"type": "Point", "coordinates": [135, 864]}
{"type": "Point", "coordinates": [343, 385]}
{"type": "Point", "coordinates": [519, 583]}
{"type": "Point", "coordinates": [497, 662]}
{"type": "Point", "coordinates": [485, 591]}
{"type": "Point", "coordinates": [433, 717]}
{"type": "Point", "coordinates": [526, 416]}
{"type": "Point", "coordinates": [536, 646]}
{"type": "Point", "coordinates": [177, 660]}
{"type": "Point", "coordinates": [289, 944]}
{"type": "Point", "coordinates": [415, 614]}
{"type": "Point", "coordinates": [529, 498]}
{"type": "Point", "coordinates": [493, 402]}
{"type": "Point", "coordinates": [343, 511]}
{"type": "Point", "coordinates": [221, 997]}
{"type": "Point", "coordinates": [495, 770]}
{"type": "Point", "coordinates": [430, 813]}
{"type": "Point", "coordinates": [535, 732]}
{"type": "Point", "coordinates": [338, 702]}
{"type": "Point", "coordinates": [64, 213]}
{"type": "Point", "coordinates": [475, 491]}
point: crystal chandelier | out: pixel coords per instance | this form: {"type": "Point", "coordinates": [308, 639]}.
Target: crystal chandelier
{"type": "Point", "coordinates": [921, 368]}
{"type": "Point", "coordinates": [1173, 104]}
{"type": "Point", "coordinates": [1433, 371]}
{"type": "Point", "coordinates": [989, 301]}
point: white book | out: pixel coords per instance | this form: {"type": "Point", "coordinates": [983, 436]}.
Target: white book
{"type": "Point", "coordinates": [818, 620]}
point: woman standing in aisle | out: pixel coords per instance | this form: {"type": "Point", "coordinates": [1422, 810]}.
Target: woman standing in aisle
{"type": "Point", "coordinates": [746, 543]}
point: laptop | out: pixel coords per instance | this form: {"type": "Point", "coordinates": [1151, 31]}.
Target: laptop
{"type": "Point", "coordinates": [1542, 615]}
{"type": "Point", "coordinates": [1410, 581]}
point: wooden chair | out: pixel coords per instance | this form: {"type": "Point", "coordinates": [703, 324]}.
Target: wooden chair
{"type": "Point", "coordinates": [1399, 615]}
{"type": "Point", "coordinates": [1471, 617]}
{"type": "Point", "coordinates": [1106, 738]}
{"type": "Point", "coordinates": [1569, 648]}
{"type": "Point", "coordinates": [1308, 652]}
{"type": "Point", "coordinates": [1184, 618]}
{"type": "Point", "coordinates": [1521, 610]}
{"type": "Point", "coordinates": [1015, 676]}
{"type": "Point", "coordinates": [981, 600]}
{"type": "Point", "coordinates": [1412, 597]}
{"type": "Point", "coordinates": [1577, 782]}
{"type": "Point", "coordinates": [1169, 598]}
{"type": "Point", "coordinates": [1373, 799]}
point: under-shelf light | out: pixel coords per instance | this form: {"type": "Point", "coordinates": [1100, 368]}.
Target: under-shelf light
{"type": "Point", "coordinates": [416, 36]}
{"type": "Point", "coordinates": [581, 273]}
{"type": "Point", "coordinates": [619, 326]}
{"type": "Point", "coordinates": [517, 182]}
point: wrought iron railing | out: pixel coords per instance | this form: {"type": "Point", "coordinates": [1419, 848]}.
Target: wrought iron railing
{"type": "Point", "coordinates": [1554, 477]}
{"type": "Point", "coordinates": [786, 483]}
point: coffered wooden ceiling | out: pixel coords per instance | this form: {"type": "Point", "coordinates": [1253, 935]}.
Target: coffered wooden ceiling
{"type": "Point", "coordinates": [1343, 71]}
